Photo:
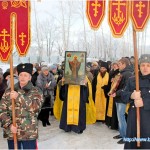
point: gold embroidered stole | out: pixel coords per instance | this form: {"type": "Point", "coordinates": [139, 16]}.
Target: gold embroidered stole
{"type": "Point", "coordinates": [110, 107]}
{"type": "Point", "coordinates": [73, 103]}
{"type": "Point", "coordinates": [127, 108]}
{"type": "Point", "coordinates": [100, 99]}
{"type": "Point", "coordinates": [57, 108]}
{"type": "Point", "coordinates": [90, 107]}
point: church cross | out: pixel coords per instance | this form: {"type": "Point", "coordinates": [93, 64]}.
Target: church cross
{"type": "Point", "coordinates": [140, 6]}
{"type": "Point", "coordinates": [96, 5]}
{"type": "Point", "coordinates": [119, 4]}
{"type": "Point", "coordinates": [22, 36]}
{"type": "Point", "coordinates": [4, 46]}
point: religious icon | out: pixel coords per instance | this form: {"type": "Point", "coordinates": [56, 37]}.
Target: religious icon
{"type": "Point", "coordinates": [75, 67]}
{"type": "Point", "coordinates": [115, 83]}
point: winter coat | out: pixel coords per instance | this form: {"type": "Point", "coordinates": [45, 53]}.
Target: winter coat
{"type": "Point", "coordinates": [34, 78]}
{"type": "Point", "coordinates": [27, 106]}
{"type": "Point", "coordinates": [2, 90]}
{"type": "Point", "coordinates": [126, 73]}
{"type": "Point", "coordinates": [144, 85]}
{"type": "Point", "coordinates": [42, 80]}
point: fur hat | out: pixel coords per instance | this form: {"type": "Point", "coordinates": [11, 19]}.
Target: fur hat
{"type": "Point", "coordinates": [145, 58]}
{"type": "Point", "coordinates": [104, 64]}
{"type": "Point", "coordinates": [27, 67]}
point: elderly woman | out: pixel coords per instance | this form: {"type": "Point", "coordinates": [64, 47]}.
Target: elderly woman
{"type": "Point", "coordinates": [47, 83]}
{"type": "Point", "coordinates": [139, 99]}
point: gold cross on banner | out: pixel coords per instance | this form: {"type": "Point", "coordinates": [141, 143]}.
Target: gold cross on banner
{"type": "Point", "coordinates": [22, 36]}
{"type": "Point", "coordinates": [140, 6]}
{"type": "Point", "coordinates": [4, 46]}
{"type": "Point", "coordinates": [119, 4]}
{"type": "Point", "coordinates": [96, 5]}
{"type": "Point", "coordinates": [119, 18]}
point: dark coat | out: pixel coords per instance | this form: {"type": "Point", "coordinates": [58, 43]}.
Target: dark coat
{"type": "Point", "coordinates": [34, 78]}
{"type": "Point", "coordinates": [144, 84]}
{"type": "Point", "coordinates": [112, 121]}
{"type": "Point", "coordinates": [126, 73]}
{"type": "Point", "coordinates": [2, 89]}
{"type": "Point", "coordinates": [82, 110]}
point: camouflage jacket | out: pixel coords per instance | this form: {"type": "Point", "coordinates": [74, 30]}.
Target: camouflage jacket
{"type": "Point", "coordinates": [27, 107]}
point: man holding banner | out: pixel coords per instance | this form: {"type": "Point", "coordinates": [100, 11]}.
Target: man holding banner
{"type": "Point", "coordinates": [139, 99]}
{"type": "Point", "coordinates": [28, 101]}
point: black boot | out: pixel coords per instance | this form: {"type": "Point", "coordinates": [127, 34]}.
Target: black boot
{"type": "Point", "coordinates": [48, 123]}
{"type": "Point", "coordinates": [52, 114]}
{"type": "Point", "coordinates": [44, 123]}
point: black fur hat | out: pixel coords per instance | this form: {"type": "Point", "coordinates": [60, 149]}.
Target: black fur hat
{"type": "Point", "coordinates": [27, 67]}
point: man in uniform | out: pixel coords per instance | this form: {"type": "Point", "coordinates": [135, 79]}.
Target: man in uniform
{"type": "Point", "coordinates": [139, 99]}
{"type": "Point", "coordinates": [28, 101]}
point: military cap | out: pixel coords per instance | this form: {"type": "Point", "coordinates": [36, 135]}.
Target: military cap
{"type": "Point", "coordinates": [27, 67]}
{"type": "Point", "coordinates": [145, 58]}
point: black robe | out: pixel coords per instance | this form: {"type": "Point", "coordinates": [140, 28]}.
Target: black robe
{"type": "Point", "coordinates": [144, 84]}
{"type": "Point", "coordinates": [82, 110]}
{"type": "Point", "coordinates": [112, 122]}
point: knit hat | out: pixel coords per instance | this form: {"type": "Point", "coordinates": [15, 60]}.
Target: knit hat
{"type": "Point", "coordinates": [52, 67]}
{"type": "Point", "coordinates": [145, 58]}
{"type": "Point", "coordinates": [45, 67]}
{"type": "Point", "coordinates": [27, 67]}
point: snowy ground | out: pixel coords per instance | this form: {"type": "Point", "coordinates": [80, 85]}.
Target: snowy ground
{"type": "Point", "coordinates": [96, 136]}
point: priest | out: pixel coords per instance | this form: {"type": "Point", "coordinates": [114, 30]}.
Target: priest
{"type": "Point", "coordinates": [99, 87]}
{"type": "Point", "coordinates": [73, 116]}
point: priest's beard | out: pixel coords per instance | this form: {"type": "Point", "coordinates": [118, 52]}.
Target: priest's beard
{"type": "Point", "coordinates": [103, 73]}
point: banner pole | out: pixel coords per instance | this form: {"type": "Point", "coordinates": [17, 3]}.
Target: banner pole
{"type": "Point", "coordinates": [13, 101]}
{"type": "Point", "coordinates": [137, 84]}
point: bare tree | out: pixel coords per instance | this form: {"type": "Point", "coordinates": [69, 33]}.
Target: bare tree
{"type": "Point", "coordinates": [49, 30]}
{"type": "Point", "coordinates": [66, 22]}
{"type": "Point", "coordinates": [39, 41]}
{"type": "Point", "coordinates": [82, 15]}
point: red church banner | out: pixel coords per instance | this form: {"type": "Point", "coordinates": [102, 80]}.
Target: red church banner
{"type": "Point", "coordinates": [140, 12]}
{"type": "Point", "coordinates": [118, 16]}
{"type": "Point", "coordinates": [95, 11]}
{"type": "Point", "coordinates": [21, 11]}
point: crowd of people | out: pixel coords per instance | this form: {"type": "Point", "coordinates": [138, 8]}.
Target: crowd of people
{"type": "Point", "coordinates": [107, 94]}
